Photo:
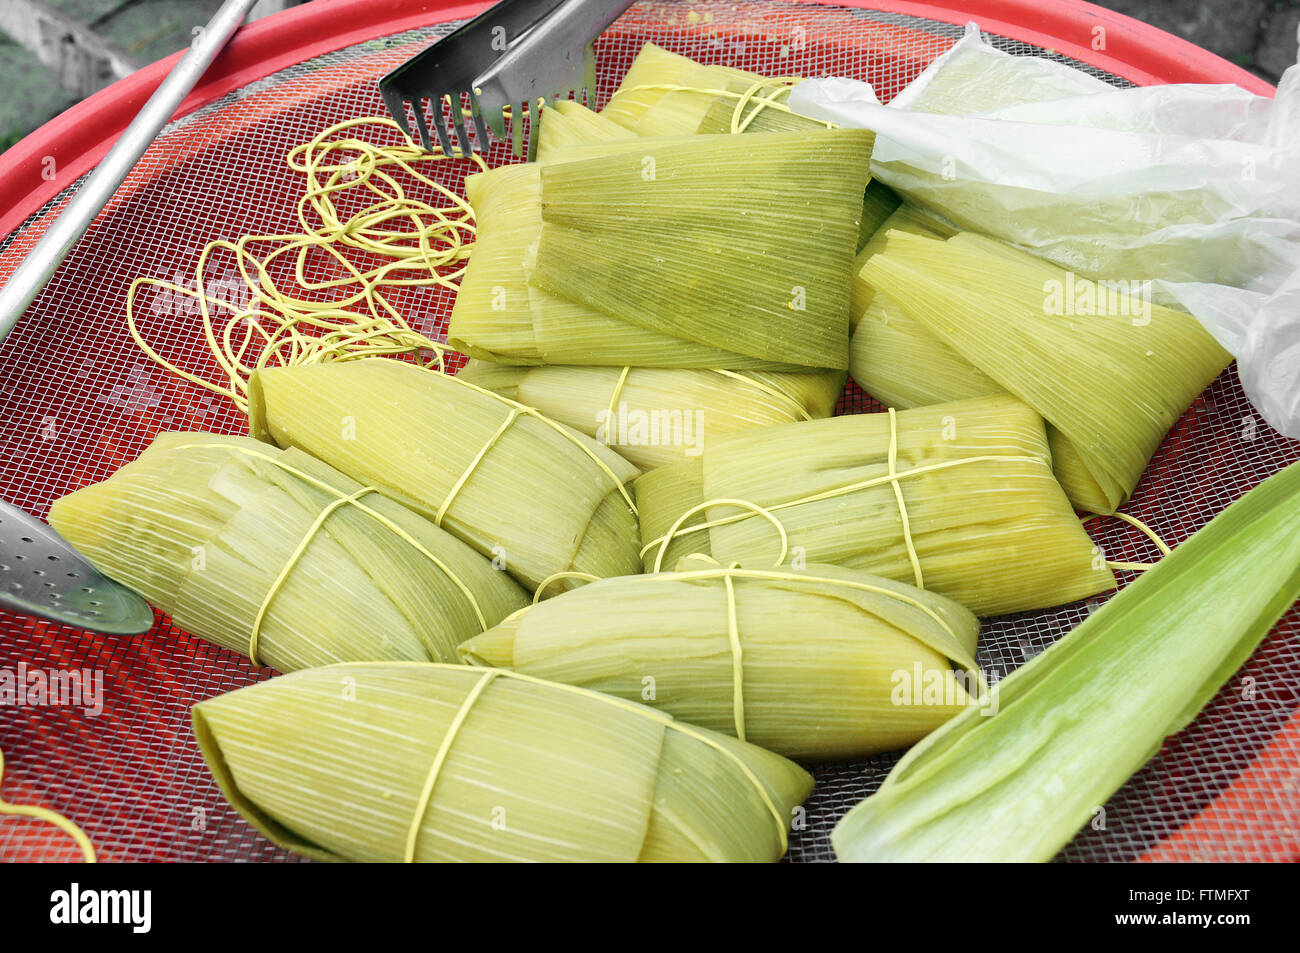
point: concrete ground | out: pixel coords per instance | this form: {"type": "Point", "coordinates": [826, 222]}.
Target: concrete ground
{"type": "Point", "coordinates": [1257, 34]}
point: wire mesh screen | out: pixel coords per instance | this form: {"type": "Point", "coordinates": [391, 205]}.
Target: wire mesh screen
{"type": "Point", "coordinates": [78, 400]}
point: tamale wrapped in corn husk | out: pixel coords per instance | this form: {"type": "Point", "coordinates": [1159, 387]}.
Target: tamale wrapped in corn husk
{"type": "Point", "coordinates": [566, 123]}
{"type": "Point", "coordinates": [680, 111]}
{"type": "Point", "coordinates": [498, 316]}
{"type": "Point", "coordinates": [427, 762]}
{"type": "Point", "coordinates": [976, 513]}
{"type": "Point", "coordinates": [762, 267]}
{"type": "Point", "coordinates": [259, 550]}
{"type": "Point", "coordinates": [658, 416]}
{"type": "Point", "coordinates": [646, 81]}
{"type": "Point", "coordinates": [1077, 720]}
{"type": "Point", "coordinates": [664, 494]}
{"type": "Point", "coordinates": [533, 495]}
{"type": "Point", "coordinates": [1108, 369]}
{"type": "Point", "coordinates": [501, 379]}
{"type": "Point", "coordinates": [810, 664]}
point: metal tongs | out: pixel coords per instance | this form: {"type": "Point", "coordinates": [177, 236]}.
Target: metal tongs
{"type": "Point", "coordinates": [517, 54]}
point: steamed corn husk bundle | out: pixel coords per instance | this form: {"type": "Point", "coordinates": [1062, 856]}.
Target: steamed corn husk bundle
{"type": "Point", "coordinates": [742, 243]}
{"type": "Point", "coordinates": [680, 111]}
{"type": "Point", "coordinates": [977, 514]}
{"type": "Point", "coordinates": [500, 317]}
{"type": "Point", "coordinates": [658, 416]}
{"type": "Point", "coordinates": [1110, 371]}
{"type": "Point", "coordinates": [809, 664]}
{"type": "Point", "coordinates": [425, 762]}
{"type": "Point", "coordinates": [663, 495]}
{"type": "Point", "coordinates": [259, 550]}
{"type": "Point", "coordinates": [527, 492]}
{"type": "Point", "coordinates": [646, 81]}
{"type": "Point", "coordinates": [566, 123]}
{"type": "Point", "coordinates": [1075, 722]}
{"type": "Point", "coordinates": [502, 379]}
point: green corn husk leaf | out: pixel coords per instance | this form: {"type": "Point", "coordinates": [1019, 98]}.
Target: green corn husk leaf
{"type": "Point", "coordinates": [542, 499]}
{"type": "Point", "coordinates": [665, 416]}
{"type": "Point", "coordinates": [653, 69]}
{"type": "Point", "coordinates": [566, 123]}
{"type": "Point", "coordinates": [203, 525]}
{"type": "Point", "coordinates": [762, 267]}
{"type": "Point", "coordinates": [332, 762]}
{"type": "Point", "coordinates": [663, 494]}
{"type": "Point", "coordinates": [1074, 723]}
{"type": "Point", "coordinates": [905, 218]}
{"type": "Point", "coordinates": [1111, 384]}
{"type": "Point", "coordinates": [997, 535]}
{"type": "Point", "coordinates": [501, 379]}
{"type": "Point", "coordinates": [499, 317]}
{"type": "Point", "coordinates": [826, 689]}
{"type": "Point", "coordinates": [680, 112]}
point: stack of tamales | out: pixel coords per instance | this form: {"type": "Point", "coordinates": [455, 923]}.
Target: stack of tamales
{"type": "Point", "coordinates": [525, 491]}
{"type": "Point", "coordinates": [264, 551]}
{"type": "Point", "coordinates": [426, 762]}
{"type": "Point", "coordinates": [816, 664]}
{"type": "Point", "coordinates": [976, 513]}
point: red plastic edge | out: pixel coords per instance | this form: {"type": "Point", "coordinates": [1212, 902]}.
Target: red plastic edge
{"type": "Point", "coordinates": [78, 138]}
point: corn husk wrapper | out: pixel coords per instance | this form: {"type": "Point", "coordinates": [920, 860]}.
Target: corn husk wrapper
{"type": "Point", "coordinates": [663, 416]}
{"type": "Point", "coordinates": [1075, 722]}
{"type": "Point", "coordinates": [761, 268]}
{"type": "Point", "coordinates": [499, 317]}
{"type": "Point", "coordinates": [540, 499]}
{"type": "Point", "coordinates": [663, 494]}
{"type": "Point", "coordinates": [566, 123]}
{"type": "Point", "coordinates": [996, 535]}
{"type": "Point", "coordinates": [1110, 384]}
{"type": "Point", "coordinates": [502, 379]}
{"type": "Point", "coordinates": [334, 762]}
{"type": "Point", "coordinates": [645, 83]}
{"type": "Point", "coordinates": [821, 654]}
{"type": "Point", "coordinates": [682, 111]}
{"type": "Point", "coordinates": [203, 526]}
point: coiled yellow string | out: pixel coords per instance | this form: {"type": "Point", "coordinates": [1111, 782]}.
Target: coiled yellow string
{"type": "Point", "coordinates": [52, 817]}
{"type": "Point", "coordinates": [390, 239]}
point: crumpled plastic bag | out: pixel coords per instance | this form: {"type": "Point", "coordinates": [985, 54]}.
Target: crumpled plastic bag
{"type": "Point", "coordinates": [1195, 188]}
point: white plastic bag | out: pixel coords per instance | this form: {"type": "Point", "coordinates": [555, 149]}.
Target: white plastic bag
{"type": "Point", "coordinates": [1193, 187]}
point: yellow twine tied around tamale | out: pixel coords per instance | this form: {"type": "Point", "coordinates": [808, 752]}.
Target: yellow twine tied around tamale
{"type": "Point", "coordinates": [425, 797]}
{"type": "Point", "coordinates": [473, 464]}
{"type": "Point", "coordinates": [740, 119]}
{"type": "Point", "coordinates": [341, 499]}
{"type": "Point", "coordinates": [50, 817]}
{"type": "Point", "coordinates": [892, 476]}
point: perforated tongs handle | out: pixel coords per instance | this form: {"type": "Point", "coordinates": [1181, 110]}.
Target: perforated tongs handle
{"type": "Point", "coordinates": [53, 246]}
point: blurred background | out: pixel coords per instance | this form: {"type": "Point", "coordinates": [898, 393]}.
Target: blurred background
{"type": "Point", "coordinates": [56, 52]}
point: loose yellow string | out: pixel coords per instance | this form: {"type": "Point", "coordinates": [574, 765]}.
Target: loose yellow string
{"type": "Point", "coordinates": [292, 561]}
{"type": "Point", "coordinates": [426, 793]}
{"type": "Point", "coordinates": [1161, 545]}
{"type": "Point", "coordinates": [417, 242]}
{"type": "Point", "coordinates": [473, 464]}
{"type": "Point", "coordinates": [678, 530]}
{"type": "Point", "coordinates": [50, 817]}
{"type": "Point", "coordinates": [374, 514]}
{"type": "Point", "coordinates": [653, 713]}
